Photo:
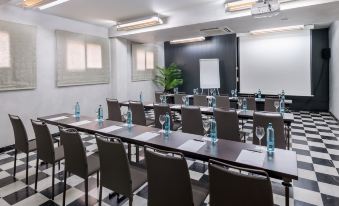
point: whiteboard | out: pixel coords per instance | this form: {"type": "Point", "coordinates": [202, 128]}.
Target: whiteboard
{"type": "Point", "coordinates": [276, 62]}
{"type": "Point", "coordinates": [209, 73]}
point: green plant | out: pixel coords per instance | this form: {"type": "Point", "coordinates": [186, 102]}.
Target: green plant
{"type": "Point", "coordinates": [168, 77]}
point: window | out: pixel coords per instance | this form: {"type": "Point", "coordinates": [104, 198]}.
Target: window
{"type": "Point", "coordinates": [143, 59]}
{"type": "Point", "coordinates": [94, 57]}
{"type": "Point", "coordinates": [5, 56]}
{"type": "Point", "coordinates": [75, 56]}
{"type": "Point", "coordinates": [149, 60]}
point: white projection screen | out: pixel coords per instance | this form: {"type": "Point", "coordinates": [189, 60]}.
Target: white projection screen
{"type": "Point", "coordinates": [209, 73]}
{"type": "Point", "coordinates": [274, 62]}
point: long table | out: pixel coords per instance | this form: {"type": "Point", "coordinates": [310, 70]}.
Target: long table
{"type": "Point", "coordinates": [282, 165]}
{"type": "Point", "coordinates": [248, 114]}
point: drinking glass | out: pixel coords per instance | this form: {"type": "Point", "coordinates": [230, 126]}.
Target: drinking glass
{"type": "Point", "coordinates": [260, 132]}
{"type": "Point", "coordinates": [161, 98]}
{"type": "Point", "coordinates": [183, 98]}
{"type": "Point", "coordinates": [162, 121]}
{"type": "Point", "coordinates": [232, 92]}
{"type": "Point", "coordinates": [206, 125]}
{"type": "Point", "coordinates": [210, 102]}
{"type": "Point", "coordinates": [276, 105]}
{"type": "Point", "coordinates": [239, 103]}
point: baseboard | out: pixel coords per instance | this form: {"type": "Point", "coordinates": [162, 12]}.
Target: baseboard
{"type": "Point", "coordinates": [7, 148]}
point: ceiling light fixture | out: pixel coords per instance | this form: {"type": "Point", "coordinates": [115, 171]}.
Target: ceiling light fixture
{"type": "Point", "coordinates": [41, 4]}
{"type": "Point", "coordinates": [138, 24]}
{"type": "Point", "coordinates": [278, 29]}
{"type": "Point", "coordinates": [239, 5]}
{"type": "Point", "coordinates": [188, 40]}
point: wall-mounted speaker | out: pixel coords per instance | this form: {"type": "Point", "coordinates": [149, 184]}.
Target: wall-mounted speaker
{"type": "Point", "coordinates": [326, 53]}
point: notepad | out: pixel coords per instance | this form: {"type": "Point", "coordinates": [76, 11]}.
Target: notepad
{"type": "Point", "coordinates": [176, 106]}
{"type": "Point", "coordinates": [57, 118]}
{"type": "Point", "coordinates": [146, 136]}
{"type": "Point", "coordinates": [80, 123]}
{"type": "Point", "coordinates": [208, 139]}
{"type": "Point", "coordinates": [204, 109]}
{"type": "Point", "coordinates": [192, 145]}
{"type": "Point", "coordinates": [109, 129]}
{"type": "Point", "coordinates": [253, 158]}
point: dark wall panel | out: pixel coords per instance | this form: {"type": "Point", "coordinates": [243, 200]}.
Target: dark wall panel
{"type": "Point", "coordinates": [187, 57]}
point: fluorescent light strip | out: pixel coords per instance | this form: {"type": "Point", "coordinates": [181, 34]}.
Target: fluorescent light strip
{"type": "Point", "coordinates": [239, 5]}
{"type": "Point", "coordinates": [51, 4]}
{"type": "Point", "coordinates": [153, 21]}
{"type": "Point", "coordinates": [188, 40]}
{"type": "Point", "coordinates": [278, 29]}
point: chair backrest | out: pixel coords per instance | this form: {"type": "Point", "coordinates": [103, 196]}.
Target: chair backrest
{"type": "Point", "coordinates": [168, 178]}
{"type": "Point", "coordinates": [251, 104]}
{"type": "Point", "coordinates": [269, 104]}
{"type": "Point", "coordinates": [200, 100]}
{"type": "Point", "coordinates": [157, 96]}
{"type": "Point", "coordinates": [227, 124]}
{"type": "Point", "coordinates": [75, 152]}
{"type": "Point", "coordinates": [162, 109]}
{"type": "Point", "coordinates": [138, 113]}
{"type": "Point", "coordinates": [191, 120]}
{"type": "Point", "coordinates": [44, 141]}
{"type": "Point", "coordinates": [262, 119]}
{"type": "Point", "coordinates": [223, 102]}
{"type": "Point", "coordinates": [114, 112]}
{"type": "Point", "coordinates": [114, 165]}
{"type": "Point", "coordinates": [257, 188]}
{"type": "Point", "coordinates": [178, 98]}
{"type": "Point", "coordinates": [20, 134]}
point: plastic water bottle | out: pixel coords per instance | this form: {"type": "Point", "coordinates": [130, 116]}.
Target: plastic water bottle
{"type": "Point", "coordinates": [282, 105]}
{"type": "Point", "coordinates": [235, 93]}
{"type": "Point", "coordinates": [259, 94]}
{"type": "Point", "coordinates": [270, 138]}
{"type": "Point", "coordinates": [244, 104]}
{"type": "Point", "coordinates": [77, 110]}
{"type": "Point", "coordinates": [283, 95]}
{"type": "Point", "coordinates": [187, 101]}
{"type": "Point", "coordinates": [140, 97]}
{"type": "Point", "coordinates": [129, 118]}
{"type": "Point", "coordinates": [214, 102]}
{"type": "Point", "coordinates": [167, 124]}
{"type": "Point", "coordinates": [100, 114]}
{"type": "Point", "coordinates": [213, 130]}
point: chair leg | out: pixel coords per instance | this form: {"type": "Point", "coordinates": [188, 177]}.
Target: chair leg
{"type": "Point", "coordinates": [59, 165]}
{"type": "Point", "coordinates": [86, 191]}
{"type": "Point", "coordinates": [131, 201]}
{"type": "Point", "coordinates": [15, 154]}
{"type": "Point", "coordinates": [53, 176]}
{"type": "Point", "coordinates": [27, 169]}
{"type": "Point", "coordinates": [129, 152]}
{"type": "Point", "coordinates": [65, 180]}
{"type": "Point", "coordinates": [36, 174]}
{"type": "Point", "coordinates": [100, 195]}
{"type": "Point", "coordinates": [137, 153]}
{"type": "Point", "coordinates": [98, 180]}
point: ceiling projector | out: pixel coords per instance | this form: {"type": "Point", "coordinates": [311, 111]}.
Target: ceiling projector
{"type": "Point", "coordinates": [265, 8]}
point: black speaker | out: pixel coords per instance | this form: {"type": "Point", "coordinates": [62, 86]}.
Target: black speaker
{"type": "Point", "coordinates": [326, 53]}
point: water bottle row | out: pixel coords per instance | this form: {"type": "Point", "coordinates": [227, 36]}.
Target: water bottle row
{"type": "Point", "coordinates": [99, 112]}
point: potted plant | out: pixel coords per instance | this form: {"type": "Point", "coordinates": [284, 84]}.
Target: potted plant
{"type": "Point", "coordinates": [168, 77]}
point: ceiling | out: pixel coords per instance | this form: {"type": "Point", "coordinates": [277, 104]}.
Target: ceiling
{"type": "Point", "coordinates": [185, 18]}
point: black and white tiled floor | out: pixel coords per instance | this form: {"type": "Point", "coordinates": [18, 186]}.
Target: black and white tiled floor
{"type": "Point", "coordinates": [314, 138]}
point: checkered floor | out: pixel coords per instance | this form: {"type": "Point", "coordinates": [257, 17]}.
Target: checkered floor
{"type": "Point", "coordinates": [314, 138]}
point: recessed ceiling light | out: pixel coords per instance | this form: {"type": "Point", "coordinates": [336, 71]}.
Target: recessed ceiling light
{"type": "Point", "coordinates": [41, 4]}
{"type": "Point", "coordinates": [140, 23]}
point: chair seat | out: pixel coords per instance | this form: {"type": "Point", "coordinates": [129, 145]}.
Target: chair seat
{"type": "Point", "coordinates": [32, 145]}
{"type": "Point", "coordinates": [139, 177]}
{"type": "Point", "coordinates": [176, 126]}
{"type": "Point", "coordinates": [199, 191]}
{"type": "Point", "coordinates": [59, 153]}
{"type": "Point", "coordinates": [93, 164]}
{"type": "Point", "coordinates": [149, 122]}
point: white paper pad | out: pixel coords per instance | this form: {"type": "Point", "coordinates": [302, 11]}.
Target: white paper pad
{"type": "Point", "coordinates": [208, 139]}
{"type": "Point", "coordinates": [176, 106]}
{"type": "Point", "coordinates": [57, 118]}
{"type": "Point", "coordinates": [204, 109]}
{"type": "Point", "coordinates": [80, 123]}
{"type": "Point", "coordinates": [191, 145]}
{"type": "Point", "coordinates": [251, 158]}
{"type": "Point", "coordinates": [163, 131]}
{"type": "Point", "coordinates": [109, 129]}
{"type": "Point", "coordinates": [146, 136]}
{"type": "Point", "coordinates": [126, 125]}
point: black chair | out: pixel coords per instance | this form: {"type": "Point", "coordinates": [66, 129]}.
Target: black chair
{"type": "Point", "coordinates": [138, 114]}
{"type": "Point", "coordinates": [45, 150]}
{"type": "Point", "coordinates": [114, 112]}
{"type": "Point", "coordinates": [116, 173]}
{"type": "Point", "coordinates": [227, 124]}
{"type": "Point", "coordinates": [157, 96]}
{"type": "Point", "coordinates": [200, 100]}
{"type": "Point", "coordinates": [76, 160]}
{"type": "Point", "coordinates": [223, 102]}
{"type": "Point", "coordinates": [169, 182]}
{"type": "Point", "coordinates": [191, 120]}
{"type": "Point", "coordinates": [163, 109]}
{"type": "Point", "coordinates": [269, 104]}
{"type": "Point", "coordinates": [237, 189]}
{"type": "Point", "coordinates": [262, 119]}
{"type": "Point", "coordinates": [22, 144]}
{"type": "Point", "coordinates": [178, 98]}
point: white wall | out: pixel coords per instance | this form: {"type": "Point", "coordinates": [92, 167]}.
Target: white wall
{"type": "Point", "coordinates": [124, 87]}
{"type": "Point", "coordinates": [334, 69]}
{"type": "Point", "coordinates": [47, 98]}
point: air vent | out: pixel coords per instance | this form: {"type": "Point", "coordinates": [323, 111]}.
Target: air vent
{"type": "Point", "coordinates": [215, 31]}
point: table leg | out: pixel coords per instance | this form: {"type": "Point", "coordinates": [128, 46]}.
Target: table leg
{"type": "Point", "coordinates": [288, 135]}
{"type": "Point", "coordinates": [129, 154]}
{"type": "Point", "coordinates": [287, 185]}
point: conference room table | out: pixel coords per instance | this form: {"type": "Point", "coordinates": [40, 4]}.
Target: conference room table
{"type": "Point", "coordinates": [282, 164]}
{"type": "Point", "coordinates": [288, 118]}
